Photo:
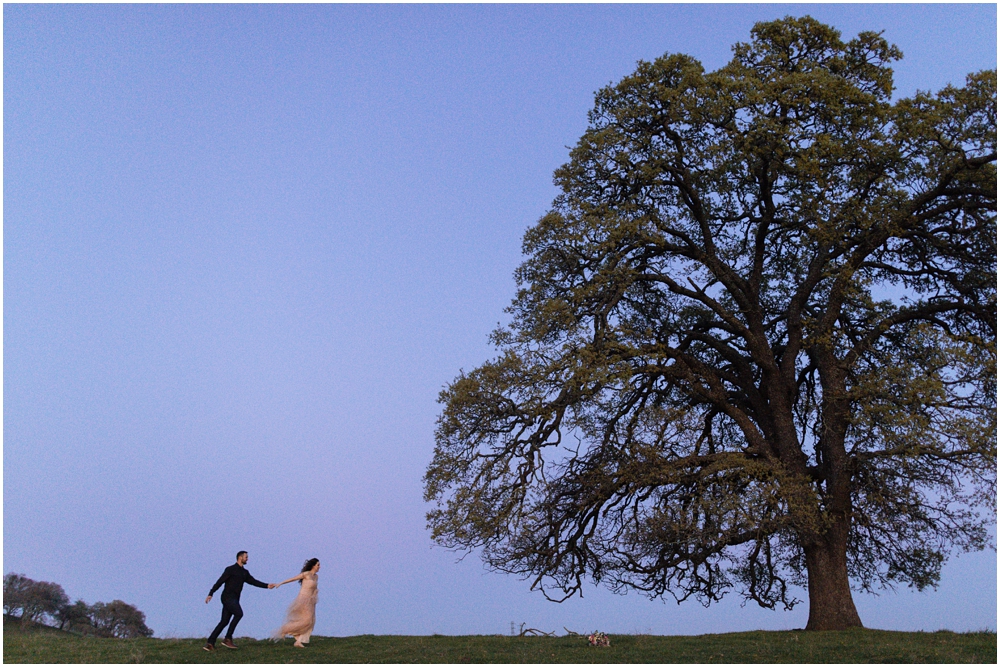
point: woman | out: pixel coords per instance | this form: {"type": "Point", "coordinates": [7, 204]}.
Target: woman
{"type": "Point", "coordinates": [302, 613]}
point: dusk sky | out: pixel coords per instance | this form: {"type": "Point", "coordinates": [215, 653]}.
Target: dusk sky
{"type": "Point", "coordinates": [246, 246]}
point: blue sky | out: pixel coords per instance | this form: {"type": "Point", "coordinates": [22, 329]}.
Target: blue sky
{"type": "Point", "coordinates": [246, 246]}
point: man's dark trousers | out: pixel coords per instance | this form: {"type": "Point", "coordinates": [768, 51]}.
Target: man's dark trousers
{"type": "Point", "coordinates": [230, 609]}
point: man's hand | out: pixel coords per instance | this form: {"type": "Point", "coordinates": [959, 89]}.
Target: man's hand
{"type": "Point", "coordinates": [208, 599]}
{"type": "Point", "coordinates": [272, 585]}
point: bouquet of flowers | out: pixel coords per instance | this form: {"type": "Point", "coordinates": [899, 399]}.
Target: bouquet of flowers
{"type": "Point", "coordinates": [599, 639]}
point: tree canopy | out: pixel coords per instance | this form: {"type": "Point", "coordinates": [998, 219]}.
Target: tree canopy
{"type": "Point", "coordinates": [32, 599]}
{"type": "Point", "coordinates": [754, 342]}
{"type": "Point", "coordinates": [75, 618]}
{"type": "Point", "coordinates": [118, 619]}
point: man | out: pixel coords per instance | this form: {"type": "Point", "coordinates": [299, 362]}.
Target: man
{"type": "Point", "coordinates": [234, 577]}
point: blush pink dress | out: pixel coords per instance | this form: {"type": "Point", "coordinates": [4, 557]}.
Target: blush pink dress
{"type": "Point", "coordinates": [301, 617]}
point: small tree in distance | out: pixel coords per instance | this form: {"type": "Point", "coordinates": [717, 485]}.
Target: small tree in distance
{"type": "Point", "coordinates": [15, 591]}
{"type": "Point", "coordinates": [755, 341]}
{"type": "Point", "coordinates": [75, 618]}
{"type": "Point", "coordinates": [118, 619]}
{"type": "Point", "coordinates": [44, 599]}
{"type": "Point", "coordinates": [34, 599]}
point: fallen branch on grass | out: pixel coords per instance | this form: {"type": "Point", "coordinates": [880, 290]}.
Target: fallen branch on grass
{"type": "Point", "coordinates": [532, 632]}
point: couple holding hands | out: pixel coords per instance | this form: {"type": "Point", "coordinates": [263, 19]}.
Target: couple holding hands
{"type": "Point", "coordinates": [301, 617]}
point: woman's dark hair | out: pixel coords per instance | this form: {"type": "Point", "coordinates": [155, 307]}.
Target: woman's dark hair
{"type": "Point", "coordinates": [310, 564]}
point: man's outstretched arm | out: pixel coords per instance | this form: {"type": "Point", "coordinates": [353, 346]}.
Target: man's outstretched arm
{"type": "Point", "coordinates": [254, 582]}
{"type": "Point", "coordinates": [222, 580]}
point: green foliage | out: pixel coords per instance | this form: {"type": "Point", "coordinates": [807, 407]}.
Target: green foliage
{"type": "Point", "coordinates": [754, 339]}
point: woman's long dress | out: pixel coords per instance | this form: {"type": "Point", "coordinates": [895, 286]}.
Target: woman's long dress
{"type": "Point", "coordinates": [301, 616]}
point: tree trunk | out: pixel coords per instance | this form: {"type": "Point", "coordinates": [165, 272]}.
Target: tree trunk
{"type": "Point", "coordinates": [831, 605]}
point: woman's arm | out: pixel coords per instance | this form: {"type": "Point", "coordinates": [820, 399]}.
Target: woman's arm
{"type": "Point", "coordinates": [288, 581]}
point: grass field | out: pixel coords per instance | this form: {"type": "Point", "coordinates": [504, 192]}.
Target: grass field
{"type": "Point", "coordinates": [34, 646]}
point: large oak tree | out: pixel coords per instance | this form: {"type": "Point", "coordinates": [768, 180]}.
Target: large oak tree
{"type": "Point", "coordinates": [754, 344]}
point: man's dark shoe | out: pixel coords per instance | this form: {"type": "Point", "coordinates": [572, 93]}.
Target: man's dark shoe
{"type": "Point", "coordinates": [208, 647]}
{"type": "Point", "coordinates": [228, 643]}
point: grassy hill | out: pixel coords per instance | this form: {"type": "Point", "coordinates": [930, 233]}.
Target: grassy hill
{"type": "Point", "coordinates": [48, 645]}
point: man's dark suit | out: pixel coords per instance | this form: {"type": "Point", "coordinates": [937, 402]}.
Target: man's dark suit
{"type": "Point", "coordinates": [234, 577]}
